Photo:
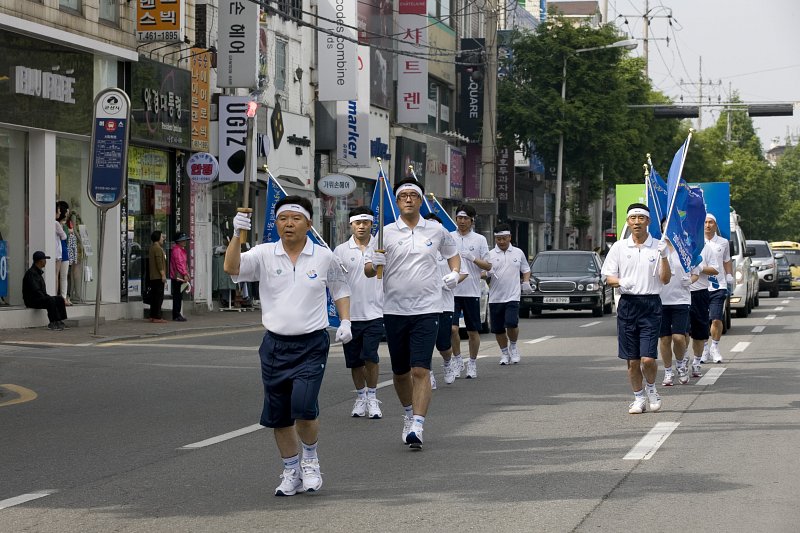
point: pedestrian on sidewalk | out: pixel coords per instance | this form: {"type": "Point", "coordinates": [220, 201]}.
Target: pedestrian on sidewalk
{"type": "Point", "coordinates": [179, 275]}
{"type": "Point", "coordinates": [718, 286]}
{"type": "Point", "coordinates": [34, 293]}
{"type": "Point", "coordinates": [412, 300]}
{"type": "Point", "coordinates": [366, 314]}
{"type": "Point", "coordinates": [639, 266]}
{"type": "Point", "coordinates": [158, 276]}
{"type": "Point", "coordinates": [294, 275]}
{"type": "Point", "coordinates": [509, 277]}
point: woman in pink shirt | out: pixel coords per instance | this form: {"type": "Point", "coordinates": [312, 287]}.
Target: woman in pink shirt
{"type": "Point", "coordinates": [179, 274]}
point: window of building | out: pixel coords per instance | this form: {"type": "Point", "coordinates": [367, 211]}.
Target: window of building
{"type": "Point", "coordinates": [14, 251]}
{"type": "Point", "coordinates": [109, 11]}
{"type": "Point", "coordinates": [291, 8]}
{"type": "Point", "coordinates": [280, 64]}
{"type": "Point", "coordinates": [70, 4]}
{"type": "Point", "coordinates": [441, 10]}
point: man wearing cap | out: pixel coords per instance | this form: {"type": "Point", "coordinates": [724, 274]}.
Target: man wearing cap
{"type": "Point", "coordinates": [293, 275]}
{"type": "Point", "coordinates": [179, 275]}
{"type": "Point", "coordinates": [366, 314]}
{"type": "Point", "coordinates": [34, 293]}
{"type": "Point", "coordinates": [639, 266]}
{"type": "Point", "coordinates": [718, 285]}
{"type": "Point", "coordinates": [509, 266]}
{"type": "Point", "coordinates": [474, 252]}
{"type": "Point", "coordinates": [412, 303]}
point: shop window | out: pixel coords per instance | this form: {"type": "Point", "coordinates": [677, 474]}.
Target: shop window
{"type": "Point", "coordinates": [13, 214]}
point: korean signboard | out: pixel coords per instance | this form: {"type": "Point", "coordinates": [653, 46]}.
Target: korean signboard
{"type": "Point", "coordinates": [504, 181]}
{"type": "Point", "coordinates": [160, 100]}
{"type": "Point", "coordinates": [237, 50]}
{"type": "Point", "coordinates": [160, 21]}
{"type": "Point", "coordinates": [352, 120]}
{"type": "Point", "coordinates": [338, 53]}
{"type": "Point", "coordinates": [201, 98]}
{"type": "Point", "coordinates": [412, 67]}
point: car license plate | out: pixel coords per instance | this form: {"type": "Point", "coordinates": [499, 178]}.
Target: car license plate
{"type": "Point", "coordinates": [556, 300]}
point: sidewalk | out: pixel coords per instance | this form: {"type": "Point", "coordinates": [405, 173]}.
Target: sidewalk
{"type": "Point", "coordinates": [132, 329]}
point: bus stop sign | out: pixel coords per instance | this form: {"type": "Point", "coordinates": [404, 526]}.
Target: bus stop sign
{"type": "Point", "coordinates": [109, 157]}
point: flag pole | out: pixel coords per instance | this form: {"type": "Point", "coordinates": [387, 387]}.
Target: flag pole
{"type": "Point", "coordinates": [680, 172]}
{"type": "Point", "coordinates": [382, 185]}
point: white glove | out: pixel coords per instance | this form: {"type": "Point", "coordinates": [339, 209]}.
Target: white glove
{"type": "Point", "coordinates": [468, 256]}
{"type": "Point", "coordinates": [526, 287]}
{"type": "Point", "coordinates": [343, 333]}
{"type": "Point", "coordinates": [626, 283]}
{"type": "Point", "coordinates": [241, 222]}
{"type": "Point", "coordinates": [377, 259]}
{"type": "Point", "coordinates": [662, 248]}
{"type": "Point", "coordinates": [451, 279]}
{"type": "Point", "coordinates": [729, 280]}
{"type": "Point", "coordinates": [686, 282]}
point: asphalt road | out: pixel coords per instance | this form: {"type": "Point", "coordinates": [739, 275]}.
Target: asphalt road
{"type": "Point", "coordinates": [546, 445]}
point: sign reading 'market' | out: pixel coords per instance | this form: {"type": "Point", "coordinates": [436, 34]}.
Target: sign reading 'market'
{"type": "Point", "coordinates": [237, 51]}
{"type": "Point", "coordinates": [352, 120]}
{"type": "Point", "coordinates": [338, 50]}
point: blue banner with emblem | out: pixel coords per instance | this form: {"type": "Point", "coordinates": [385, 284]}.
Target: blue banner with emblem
{"type": "Point", "coordinates": [682, 226]}
{"type": "Point", "coordinates": [437, 209]}
{"type": "Point", "coordinates": [3, 269]}
{"type": "Point", "coordinates": [390, 209]}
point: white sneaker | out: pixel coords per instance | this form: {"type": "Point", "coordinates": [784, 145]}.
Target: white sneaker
{"type": "Point", "coordinates": [374, 408]}
{"type": "Point", "coordinates": [514, 351]}
{"type": "Point", "coordinates": [472, 369]}
{"type": "Point", "coordinates": [704, 357]}
{"type": "Point", "coordinates": [291, 483]}
{"type": "Point", "coordinates": [312, 478]}
{"type": "Point", "coordinates": [714, 351]}
{"type": "Point", "coordinates": [360, 407]}
{"type": "Point", "coordinates": [414, 437]}
{"type": "Point", "coordinates": [504, 359]}
{"type": "Point", "coordinates": [654, 401]}
{"type": "Point", "coordinates": [433, 381]}
{"type": "Point", "coordinates": [638, 406]}
{"type": "Point", "coordinates": [667, 379]}
{"type": "Point", "coordinates": [696, 371]}
{"type": "Point", "coordinates": [449, 373]}
{"type": "Point", "coordinates": [683, 374]}
{"type": "Point", "coordinates": [407, 421]}
{"type": "Point", "coordinates": [458, 365]}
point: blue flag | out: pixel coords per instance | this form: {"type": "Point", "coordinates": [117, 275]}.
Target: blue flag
{"type": "Point", "coordinates": [694, 222]}
{"type": "Point", "coordinates": [678, 196]}
{"type": "Point", "coordinates": [656, 201]}
{"type": "Point", "coordinates": [390, 208]}
{"type": "Point", "coordinates": [275, 193]}
{"type": "Point", "coordinates": [438, 210]}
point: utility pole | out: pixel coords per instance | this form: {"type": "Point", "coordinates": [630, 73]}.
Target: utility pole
{"type": "Point", "coordinates": [646, 43]}
{"type": "Point", "coordinates": [700, 84]}
{"type": "Point", "coordinates": [489, 134]}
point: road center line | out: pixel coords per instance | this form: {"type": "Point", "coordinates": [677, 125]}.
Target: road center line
{"type": "Point", "coordinates": [784, 301]}
{"type": "Point", "coordinates": [590, 324]}
{"type": "Point", "coordinates": [711, 376]}
{"type": "Point", "coordinates": [22, 498]}
{"type": "Point", "coordinates": [758, 329]}
{"type": "Point", "coordinates": [779, 308]}
{"type": "Point", "coordinates": [540, 339]}
{"type": "Point", "coordinates": [222, 438]}
{"type": "Point", "coordinates": [650, 443]}
{"type": "Point", "coordinates": [740, 346]}
{"type": "Point", "coordinates": [769, 317]}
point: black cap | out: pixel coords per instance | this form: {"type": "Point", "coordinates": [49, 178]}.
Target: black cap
{"type": "Point", "coordinates": [38, 256]}
{"type": "Point", "coordinates": [182, 237]}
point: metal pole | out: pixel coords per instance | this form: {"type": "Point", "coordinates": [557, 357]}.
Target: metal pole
{"type": "Point", "coordinates": [560, 167]}
{"type": "Point", "coordinates": [248, 168]}
{"type": "Point", "coordinates": [98, 295]}
{"type": "Point", "coordinates": [382, 185]}
{"type": "Point", "coordinates": [489, 132]}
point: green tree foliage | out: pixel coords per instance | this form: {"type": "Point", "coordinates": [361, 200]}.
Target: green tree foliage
{"type": "Point", "coordinates": [787, 220]}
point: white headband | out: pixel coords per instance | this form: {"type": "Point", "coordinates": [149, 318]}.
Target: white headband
{"type": "Point", "coordinates": [712, 217]}
{"type": "Point", "coordinates": [639, 211]}
{"type": "Point", "coordinates": [293, 207]}
{"type": "Point", "coordinates": [408, 187]}
{"type": "Point", "coordinates": [463, 214]}
{"type": "Point", "coordinates": [501, 233]}
{"type": "Point", "coordinates": [362, 216]}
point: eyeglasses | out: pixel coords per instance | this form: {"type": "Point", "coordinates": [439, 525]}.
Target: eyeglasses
{"type": "Point", "coordinates": [407, 196]}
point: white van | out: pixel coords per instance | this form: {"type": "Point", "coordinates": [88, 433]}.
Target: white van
{"type": "Point", "coordinates": [745, 295]}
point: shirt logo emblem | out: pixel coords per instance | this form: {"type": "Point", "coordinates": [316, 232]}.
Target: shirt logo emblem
{"type": "Point", "coordinates": [429, 243]}
{"type": "Point", "coordinates": [312, 274]}
{"type": "Point", "coordinates": [278, 272]}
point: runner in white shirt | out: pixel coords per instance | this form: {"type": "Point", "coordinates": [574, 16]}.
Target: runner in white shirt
{"type": "Point", "coordinates": [718, 286]}
{"type": "Point", "coordinates": [699, 323]}
{"type": "Point", "coordinates": [508, 265]}
{"type": "Point", "coordinates": [366, 313]}
{"type": "Point", "coordinates": [412, 290]}
{"type": "Point", "coordinates": [474, 252]}
{"type": "Point", "coordinates": [293, 276]}
{"type": "Point", "coordinates": [639, 266]}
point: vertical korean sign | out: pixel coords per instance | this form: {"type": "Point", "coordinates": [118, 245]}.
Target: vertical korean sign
{"type": "Point", "coordinates": [160, 21]}
{"type": "Point", "coordinates": [504, 181]}
{"type": "Point", "coordinates": [338, 50]}
{"type": "Point", "coordinates": [412, 67]}
{"type": "Point", "coordinates": [201, 67]}
{"type": "Point", "coordinates": [352, 119]}
{"type": "Point", "coordinates": [237, 50]}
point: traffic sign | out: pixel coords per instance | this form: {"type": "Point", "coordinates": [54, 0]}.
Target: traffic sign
{"type": "Point", "coordinates": [109, 157]}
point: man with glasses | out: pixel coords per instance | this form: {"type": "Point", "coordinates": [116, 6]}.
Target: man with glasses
{"type": "Point", "coordinates": [412, 287]}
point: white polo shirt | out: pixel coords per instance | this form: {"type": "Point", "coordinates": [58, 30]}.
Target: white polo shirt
{"type": "Point", "coordinates": [626, 260]}
{"type": "Point", "coordinates": [719, 252]}
{"type": "Point", "coordinates": [702, 281]}
{"type": "Point", "coordinates": [366, 294]}
{"type": "Point", "coordinates": [448, 298]}
{"type": "Point", "coordinates": [675, 292]}
{"type": "Point", "coordinates": [293, 299]}
{"type": "Point", "coordinates": [412, 284]}
{"type": "Point", "coordinates": [505, 280]}
{"type": "Point", "coordinates": [474, 243]}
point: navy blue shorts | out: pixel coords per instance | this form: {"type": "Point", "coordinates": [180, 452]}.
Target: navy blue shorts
{"type": "Point", "coordinates": [411, 339]}
{"type": "Point", "coordinates": [698, 315]}
{"type": "Point", "coordinates": [503, 315]}
{"type": "Point", "coordinates": [444, 340]}
{"type": "Point", "coordinates": [291, 369]}
{"type": "Point", "coordinates": [471, 307]}
{"type": "Point", "coordinates": [716, 304]}
{"type": "Point", "coordinates": [367, 335]}
{"type": "Point", "coordinates": [674, 320]}
{"type": "Point", "coordinates": [638, 326]}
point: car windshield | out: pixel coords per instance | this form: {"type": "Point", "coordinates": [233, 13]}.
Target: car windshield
{"type": "Point", "coordinates": [563, 264]}
{"type": "Point", "coordinates": [793, 256]}
{"type": "Point", "coordinates": [762, 249]}
{"type": "Point", "coordinates": [782, 261]}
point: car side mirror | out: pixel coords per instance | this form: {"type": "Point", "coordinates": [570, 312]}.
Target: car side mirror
{"type": "Point", "coordinates": [749, 251]}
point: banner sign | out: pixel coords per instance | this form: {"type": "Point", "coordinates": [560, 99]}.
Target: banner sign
{"type": "Point", "coordinates": [412, 67]}
{"type": "Point", "coordinates": [504, 178]}
{"type": "Point", "coordinates": [237, 50]}
{"type": "Point", "coordinates": [232, 137]}
{"type": "Point", "coordinates": [3, 269]}
{"type": "Point", "coordinates": [469, 121]}
{"type": "Point", "coordinates": [109, 157]}
{"type": "Point", "coordinates": [161, 98]}
{"type": "Point", "coordinates": [338, 53]}
{"type": "Point", "coordinates": [201, 98]}
{"type": "Point", "coordinates": [160, 21]}
{"type": "Point", "coordinates": [352, 120]}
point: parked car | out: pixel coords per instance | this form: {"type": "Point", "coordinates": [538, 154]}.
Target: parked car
{"type": "Point", "coordinates": [745, 295]}
{"type": "Point", "coordinates": [764, 261]}
{"type": "Point", "coordinates": [784, 272]}
{"type": "Point", "coordinates": [567, 279]}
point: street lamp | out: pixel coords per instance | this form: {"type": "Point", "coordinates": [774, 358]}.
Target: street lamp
{"type": "Point", "coordinates": [627, 44]}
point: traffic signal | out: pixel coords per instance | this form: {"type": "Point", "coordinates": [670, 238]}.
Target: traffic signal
{"type": "Point", "coordinates": [676, 111]}
{"type": "Point", "coordinates": [770, 110]}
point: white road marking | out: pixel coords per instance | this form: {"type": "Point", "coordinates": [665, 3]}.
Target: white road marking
{"type": "Point", "coordinates": [43, 343]}
{"type": "Point", "coordinates": [186, 346]}
{"type": "Point", "coordinates": [22, 498]}
{"type": "Point", "coordinates": [590, 324]}
{"type": "Point", "coordinates": [650, 443]}
{"type": "Point", "coordinates": [711, 376]}
{"type": "Point", "coordinates": [779, 308]}
{"type": "Point", "coordinates": [758, 329]}
{"type": "Point", "coordinates": [769, 317]}
{"type": "Point", "coordinates": [740, 347]}
{"type": "Point", "coordinates": [202, 366]}
{"type": "Point", "coordinates": [222, 438]}
{"type": "Point", "coordinates": [380, 385]}
{"type": "Point", "coordinates": [784, 301]}
{"type": "Point", "coordinates": [540, 339]}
